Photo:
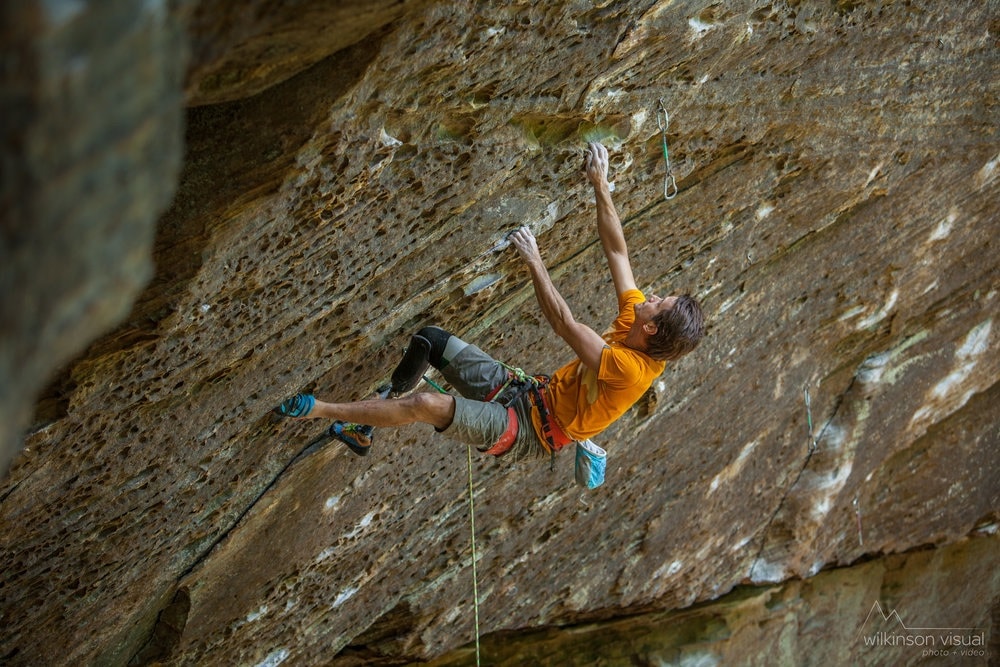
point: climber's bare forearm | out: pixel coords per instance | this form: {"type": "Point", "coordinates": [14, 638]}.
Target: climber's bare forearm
{"type": "Point", "coordinates": [584, 341]}
{"type": "Point", "coordinates": [609, 226]}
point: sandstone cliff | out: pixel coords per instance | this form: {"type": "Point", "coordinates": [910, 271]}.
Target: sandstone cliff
{"type": "Point", "coordinates": [341, 175]}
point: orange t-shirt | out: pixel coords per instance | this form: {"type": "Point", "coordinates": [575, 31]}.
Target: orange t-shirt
{"type": "Point", "coordinates": [584, 402]}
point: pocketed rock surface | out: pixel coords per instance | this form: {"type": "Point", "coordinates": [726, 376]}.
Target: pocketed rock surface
{"type": "Point", "coordinates": [347, 178]}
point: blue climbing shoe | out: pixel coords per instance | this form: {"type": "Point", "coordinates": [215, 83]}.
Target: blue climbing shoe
{"type": "Point", "coordinates": [357, 437]}
{"type": "Point", "coordinates": [298, 405]}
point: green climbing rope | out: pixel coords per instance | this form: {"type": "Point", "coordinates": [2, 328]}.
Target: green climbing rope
{"type": "Point", "coordinates": [475, 584]}
{"type": "Point", "coordinates": [472, 522]}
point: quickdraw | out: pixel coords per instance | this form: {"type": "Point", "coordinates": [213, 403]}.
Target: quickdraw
{"type": "Point", "coordinates": [662, 121]}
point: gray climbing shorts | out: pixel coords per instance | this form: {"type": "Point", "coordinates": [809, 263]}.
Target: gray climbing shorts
{"type": "Point", "coordinates": [475, 374]}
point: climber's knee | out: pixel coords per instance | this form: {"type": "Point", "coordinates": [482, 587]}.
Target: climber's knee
{"type": "Point", "coordinates": [430, 345]}
{"type": "Point", "coordinates": [444, 346]}
{"type": "Point", "coordinates": [432, 408]}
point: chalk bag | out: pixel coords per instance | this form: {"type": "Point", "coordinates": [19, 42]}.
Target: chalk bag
{"type": "Point", "coordinates": [590, 463]}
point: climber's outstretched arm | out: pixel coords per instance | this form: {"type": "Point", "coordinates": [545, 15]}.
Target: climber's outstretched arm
{"type": "Point", "coordinates": [586, 342]}
{"type": "Point", "coordinates": [609, 227]}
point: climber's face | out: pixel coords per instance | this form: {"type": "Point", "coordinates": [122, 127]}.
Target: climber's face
{"type": "Point", "coordinates": [653, 306]}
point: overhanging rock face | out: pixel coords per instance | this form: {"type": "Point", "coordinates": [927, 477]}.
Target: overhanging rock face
{"type": "Point", "coordinates": [92, 145]}
{"type": "Point", "coordinates": [837, 168]}
{"type": "Point", "coordinates": [922, 607]}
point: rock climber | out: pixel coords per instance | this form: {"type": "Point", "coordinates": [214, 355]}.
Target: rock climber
{"type": "Point", "coordinates": [501, 409]}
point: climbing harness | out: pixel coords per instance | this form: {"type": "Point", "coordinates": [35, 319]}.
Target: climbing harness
{"type": "Point", "coordinates": [662, 121]}
{"type": "Point", "coordinates": [517, 384]}
{"type": "Point", "coordinates": [590, 461]}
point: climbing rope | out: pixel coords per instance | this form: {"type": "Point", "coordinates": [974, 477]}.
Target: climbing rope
{"type": "Point", "coordinates": [662, 121]}
{"type": "Point", "coordinates": [472, 530]}
{"type": "Point", "coordinates": [475, 584]}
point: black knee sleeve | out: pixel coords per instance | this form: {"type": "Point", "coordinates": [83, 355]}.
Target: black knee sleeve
{"type": "Point", "coordinates": [438, 339]}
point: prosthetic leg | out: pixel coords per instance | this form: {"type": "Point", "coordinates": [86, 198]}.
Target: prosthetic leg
{"type": "Point", "coordinates": [427, 348]}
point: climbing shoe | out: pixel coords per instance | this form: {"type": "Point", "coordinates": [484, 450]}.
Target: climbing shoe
{"type": "Point", "coordinates": [357, 437]}
{"type": "Point", "coordinates": [412, 366]}
{"type": "Point", "coordinates": [298, 405]}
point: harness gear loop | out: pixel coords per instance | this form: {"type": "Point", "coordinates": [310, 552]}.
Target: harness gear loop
{"type": "Point", "coordinates": [662, 121]}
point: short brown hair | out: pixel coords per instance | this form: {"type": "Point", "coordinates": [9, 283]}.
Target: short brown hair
{"type": "Point", "coordinates": [678, 330]}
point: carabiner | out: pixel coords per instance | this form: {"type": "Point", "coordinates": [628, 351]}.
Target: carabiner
{"type": "Point", "coordinates": [662, 117]}
{"type": "Point", "coordinates": [669, 183]}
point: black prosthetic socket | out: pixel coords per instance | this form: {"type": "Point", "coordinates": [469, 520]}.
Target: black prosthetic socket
{"type": "Point", "coordinates": [412, 366]}
{"type": "Point", "coordinates": [438, 339]}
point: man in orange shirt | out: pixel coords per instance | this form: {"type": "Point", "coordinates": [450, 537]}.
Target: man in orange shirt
{"type": "Point", "coordinates": [502, 410]}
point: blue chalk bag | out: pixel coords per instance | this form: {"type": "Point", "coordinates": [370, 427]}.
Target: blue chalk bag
{"type": "Point", "coordinates": [591, 461]}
